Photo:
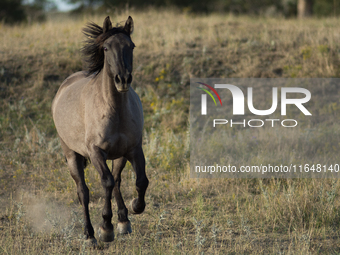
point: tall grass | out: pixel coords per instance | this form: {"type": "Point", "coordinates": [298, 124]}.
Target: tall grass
{"type": "Point", "coordinates": [39, 211]}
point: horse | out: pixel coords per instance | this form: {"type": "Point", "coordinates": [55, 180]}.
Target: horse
{"type": "Point", "coordinates": [98, 116]}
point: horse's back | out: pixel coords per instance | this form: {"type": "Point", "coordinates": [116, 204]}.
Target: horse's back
{"type": "Point", "coordinates": [67, 109]}
{"type": "Point", "coordinates": [72, 79]}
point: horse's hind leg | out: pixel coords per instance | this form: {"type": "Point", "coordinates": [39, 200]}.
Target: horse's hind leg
{"type": "Point", "coordinates": [98, 158]}
{"type": "Point", "coordinates": [124, 225]}
{"type": "Point", "coordinates": [76, 165]}
{"type": "Point", "coordinates": [138, 163]}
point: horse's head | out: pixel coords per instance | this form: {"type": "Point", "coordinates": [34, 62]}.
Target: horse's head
{"type": "Point", "coordinates": [118, 52]}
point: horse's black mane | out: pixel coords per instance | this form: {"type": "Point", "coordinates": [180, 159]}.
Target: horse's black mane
{"type": "Point", "coordinates": [93, 52]}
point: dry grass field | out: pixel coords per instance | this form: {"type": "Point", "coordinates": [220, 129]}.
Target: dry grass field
{"type": "Point", "coordinates": [39, 209]}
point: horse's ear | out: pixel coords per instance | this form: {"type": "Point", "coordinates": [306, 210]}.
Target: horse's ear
{"type": "Point", "coordinates": [129, 25]}
{"type": "Point", "coordinates": [107, 25]}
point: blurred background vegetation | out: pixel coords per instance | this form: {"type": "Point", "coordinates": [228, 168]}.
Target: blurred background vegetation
{"type": "Point", "coordinates": [16, 11]}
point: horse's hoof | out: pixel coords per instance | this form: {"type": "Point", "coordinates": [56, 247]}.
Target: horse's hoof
{"type": "Point", "coordinates": [124, 228]}
{"type": "Point", "coordinates": [135, 208]}
{"type": "Point", "coordinates": [91, 242]}
{"type": "Point", "coordinates": [105, 235]}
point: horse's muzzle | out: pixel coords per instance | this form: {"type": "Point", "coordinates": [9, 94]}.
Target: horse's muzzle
{"type": "Point", "coordinates": [123, 83]}
{"type": "Point", "coordinates": [123, 90]}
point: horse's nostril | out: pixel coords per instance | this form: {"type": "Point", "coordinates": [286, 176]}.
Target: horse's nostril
{"type": "Point", "coordinates": [129, 80]}
{"type": "Point", "coordinates": [117, 79]}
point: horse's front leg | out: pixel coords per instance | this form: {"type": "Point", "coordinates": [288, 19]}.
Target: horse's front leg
{"type": "Point", "coordinates": [124, 225]}
{"type": "Point", "coordinates": [138, 163]}
{"type": "Point", "coordinates": [98, 158]}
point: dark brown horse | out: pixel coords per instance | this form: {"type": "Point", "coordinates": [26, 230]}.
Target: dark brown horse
{"type": "Point", "coordinates": [99, 116]}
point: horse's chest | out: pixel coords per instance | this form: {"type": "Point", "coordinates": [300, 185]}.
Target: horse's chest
{"type": "Point", "coordinates": [119, 144]}
{"type": "Point", "coordinates": [117, 138]}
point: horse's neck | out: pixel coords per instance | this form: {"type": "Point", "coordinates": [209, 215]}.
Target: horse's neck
{"type": "Point", "coordinates": [112, 98]}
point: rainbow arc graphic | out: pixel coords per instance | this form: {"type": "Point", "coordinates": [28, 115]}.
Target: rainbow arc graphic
{"type": "Point", "coordinates": [204, 97]}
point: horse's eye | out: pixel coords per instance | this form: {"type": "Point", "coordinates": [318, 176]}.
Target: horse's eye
{"type": "Point", "coordinates": [105, 49]}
